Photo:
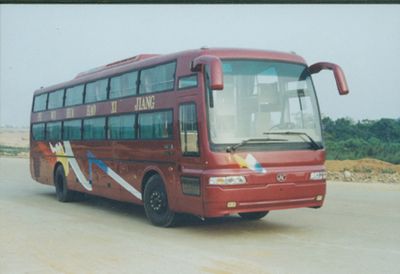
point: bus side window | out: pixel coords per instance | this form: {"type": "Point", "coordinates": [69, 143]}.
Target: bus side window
{"type": "Point", "coordinates": [94, 128]}
{"type": "Point", "coordinates": [96, 91]}
{"type": "Point", "coordinates": [187, 82]}
{"type": "Point", "coordinates": [122, 127]}
{"type": "Point", "coordinates": [53, 131]}
{"type": "Point", "coordinates": [123, 85]}
{"type": "Point", "coordinates": [159, 78]}
{"type": "Point", "coordinates": [39, 103]}
{"type": "Point", "coordinates": [56, 99]}
{"type": "Point", "coordinates": [188, 129]}
{"type": "Point", "coordinates": [155, 125]}
{"type": "Point", "coordinates": [38, 132]}
{"type": "Point", "coordinates": [74, 95]}
{"type": "Point", "coordinates": [72, 130]}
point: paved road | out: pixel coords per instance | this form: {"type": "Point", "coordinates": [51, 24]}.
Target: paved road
{"type": "Point", "coordinates": [357, 231]}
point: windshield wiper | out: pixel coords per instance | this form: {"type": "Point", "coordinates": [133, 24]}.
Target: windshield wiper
{"type": "Point", "coordinates": [313, 144]}
{"type": "Point", "coordinates": [246, 141]}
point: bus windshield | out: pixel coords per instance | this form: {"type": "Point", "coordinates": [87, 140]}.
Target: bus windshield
{"type": "Point", "coordinates": [263, 99]}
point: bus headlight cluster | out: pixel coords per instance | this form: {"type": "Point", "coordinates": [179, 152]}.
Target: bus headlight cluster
{"type": "Point", "coordinates": [228, 180]}
{"type": "Point", "coordinates": [318, 175]}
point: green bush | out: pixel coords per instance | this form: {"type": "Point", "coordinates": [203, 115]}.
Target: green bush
{"type": "Point", "coordinates": [346, 139]}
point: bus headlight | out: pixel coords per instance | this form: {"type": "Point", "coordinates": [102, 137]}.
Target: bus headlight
{"type": "Point", "coordinates": [228, 180]}
{"type": "Point", "coordinates": [318, 175]}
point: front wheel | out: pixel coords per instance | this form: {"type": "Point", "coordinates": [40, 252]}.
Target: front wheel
{"type": "Point", "coordinates": [156, 203]}
{"type": "Point", "coordinates": [253, 215]}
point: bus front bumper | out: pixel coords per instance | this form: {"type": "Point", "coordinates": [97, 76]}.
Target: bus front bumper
{"type": "Point", "coordinates": [224, 200]}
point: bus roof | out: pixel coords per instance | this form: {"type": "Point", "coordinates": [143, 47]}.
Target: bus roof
{"type": "Point", "coordinates": [147, 60]}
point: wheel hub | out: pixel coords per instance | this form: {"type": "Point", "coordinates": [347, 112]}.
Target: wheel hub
{"type": "Point", "coordinates": [157, 201]}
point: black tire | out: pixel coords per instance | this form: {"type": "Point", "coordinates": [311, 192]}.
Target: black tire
{"type": "Point", "coordinates": [253, 215]}
{"type": "Point", "coordinates": [156, 203]}
{"type": "Point", "coordinates": [60, 181]}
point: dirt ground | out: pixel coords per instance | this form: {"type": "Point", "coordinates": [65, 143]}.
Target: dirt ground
{"type": "Point", "coordinates": [14, 137]}
{"type": "Point", "coordinates": [362, 165]}
{"type": "Point", "coordinates": [363, 170]}
{"type": "Point", "coordinates": [356, 231]}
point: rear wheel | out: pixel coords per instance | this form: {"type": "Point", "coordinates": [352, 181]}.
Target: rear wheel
{"type": "Point", "coordinates": [156, 203]}
{"type": "Point", "coordinates": [62, 192]}
{"type": "Point", "coordinates": [253, 215]}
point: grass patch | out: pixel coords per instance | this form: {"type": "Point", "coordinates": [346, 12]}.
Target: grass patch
{"type": "Point", "coordinates": [12, 151]}
{"type": "Point", "coordinates": [362, 169]}
{"type": "Point", "coordinates": [388, 171]}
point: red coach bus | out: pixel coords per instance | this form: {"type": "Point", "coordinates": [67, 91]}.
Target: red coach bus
{"type": "Point", "coordinates": [209, 132]}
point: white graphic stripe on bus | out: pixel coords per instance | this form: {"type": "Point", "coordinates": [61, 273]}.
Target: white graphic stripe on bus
{"type": "Point", "coordinates": [75, 166]}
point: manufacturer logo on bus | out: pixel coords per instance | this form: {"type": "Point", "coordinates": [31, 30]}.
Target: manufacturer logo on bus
{"type": "Point", "coordinates": [280, 177]}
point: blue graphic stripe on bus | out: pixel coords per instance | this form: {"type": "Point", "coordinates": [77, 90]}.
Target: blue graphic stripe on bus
{"type": "Point", "coordinates": [93, 160]}
{"type": "Point", "coordinates": [258, 168]}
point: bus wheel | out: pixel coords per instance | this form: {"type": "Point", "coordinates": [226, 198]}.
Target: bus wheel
{"type": "Point", "coordinates": [62, 192]}
{"type": "Point", "coordinates": [156, 203]}
{"type": "Point", "coordinates": [253, 215]}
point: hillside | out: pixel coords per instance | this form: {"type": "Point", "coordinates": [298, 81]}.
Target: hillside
{"type": "Point", "coordinates": [363, 170]}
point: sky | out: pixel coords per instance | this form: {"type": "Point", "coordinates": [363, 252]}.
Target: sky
{"type": "Point", "coordinates": [42, 45]}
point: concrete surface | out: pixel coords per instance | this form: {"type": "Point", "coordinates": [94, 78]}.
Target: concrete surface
{"type": "Point", "coordinates": [357, 231]}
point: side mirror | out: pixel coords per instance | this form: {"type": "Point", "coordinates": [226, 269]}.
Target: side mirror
{"type": "Point", "coordinates": [215, 68]}
{"type": "Point", "coordinates": [337, 72]}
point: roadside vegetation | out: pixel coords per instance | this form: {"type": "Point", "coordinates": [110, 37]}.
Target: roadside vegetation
{"type": "Point", "coordinates": [346, 139]}
{"type": "Point", "coordinates": [363, 151]}
{"type": "Point", "coordinates": [13, 151]}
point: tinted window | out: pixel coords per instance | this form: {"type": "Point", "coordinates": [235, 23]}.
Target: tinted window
{"type": "Point", "coordinates": [72, 130]}
{"type": "Point", "coordinates": [157, 78]}
{"type": "Point", "coordinates": [38, 131]}
{"type": "Point", "coordinates": [94, 129]}
{"type": "Point", "coordinates": [121, 127]}
{"type": "Point", "coordinates": [40, 102]}
{"type": "Point", "coordinates": [74, 95]}
{"type": "Point", "coordinates": [187, 82]}
{"type": "Point", "coordinates": [155, 125]}
{"type": "Point", "coordinates": [263, 97]}
{"type": "Point", "coordinates": [96, 91]}
{"type": "Point", "coordinates": [123, 85]}
{"type": "Point", "coordinates": [56, 99]}
{"type": "Point", "coordinates": [188, 129]}
{"type": "Point", "coordinates": [53, 131]}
